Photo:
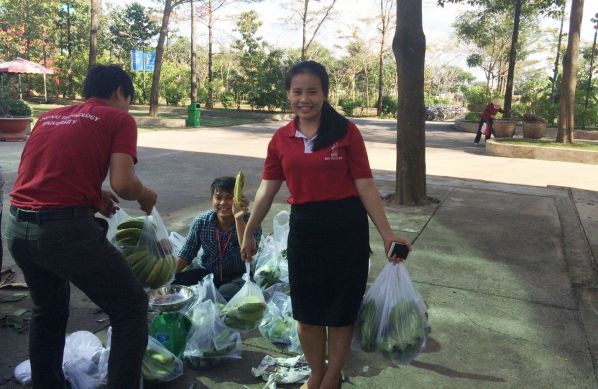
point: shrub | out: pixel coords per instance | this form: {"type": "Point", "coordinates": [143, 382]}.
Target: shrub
{"type": "Point", "coordinates": [389, 106]}
{"type": "Point", "coordinates": [227, 99]}
{"type": "Point", "coordinates": [18, 107]}
{"type": "Point", "coordinates": [530, 117]}
{"type": "Point", "coordinates": [349, 105]}
{"type": "Point", "coordinates": [473, 116]}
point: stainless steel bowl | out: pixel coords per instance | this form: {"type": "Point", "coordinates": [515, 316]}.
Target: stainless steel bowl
{"type": "Point", "coordinates": [170, 298]}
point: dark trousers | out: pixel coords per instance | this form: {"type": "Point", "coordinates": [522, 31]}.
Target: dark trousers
{"type": "Point", "coordinates": [228, 286]}
{"type": "Point", "coordinates": [478, 134]}
{"type": "Point", "coordinates": [54, 253]}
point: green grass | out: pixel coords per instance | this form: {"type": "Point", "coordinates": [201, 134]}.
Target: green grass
{"type": "Point", "coordinates": [208, 122]}
{"type": "Point", "coordinates": [221, 120]}
{"type": "Point", "coordinates": [578, 145]}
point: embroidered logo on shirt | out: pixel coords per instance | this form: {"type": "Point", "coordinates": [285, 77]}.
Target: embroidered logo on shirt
{"type": "Point", "coordinates": [333, 153]}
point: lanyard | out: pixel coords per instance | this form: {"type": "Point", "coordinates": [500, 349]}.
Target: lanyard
{"type": "Point", "coordinates": [222, 250]}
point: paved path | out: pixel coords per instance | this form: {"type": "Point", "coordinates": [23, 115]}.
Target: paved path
{"type": "Point", "coordinates": [505, 259]}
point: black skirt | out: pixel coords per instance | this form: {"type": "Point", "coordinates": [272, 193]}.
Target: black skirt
{"type": "Point", "coordinates": [328, 252]}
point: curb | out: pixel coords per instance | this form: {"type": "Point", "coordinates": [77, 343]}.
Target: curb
{"type": "Point", "coordinates": [544, 153]}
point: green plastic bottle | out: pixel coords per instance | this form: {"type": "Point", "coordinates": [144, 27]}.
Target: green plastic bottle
{"type": "Point", "coordinates": [171, 329]}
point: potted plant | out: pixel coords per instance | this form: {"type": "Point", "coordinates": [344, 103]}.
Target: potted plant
{"type": "Point", "coordinates": [15, 115]}
{"type": "Point", "coordinates": [504, 128]}
{"type": "Point", "coordinates": [468, 123]}
{"type": "Point", "coordinates": [533, 126]}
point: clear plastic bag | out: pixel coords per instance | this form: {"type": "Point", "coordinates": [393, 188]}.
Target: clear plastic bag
{"type": "Point", "coordinates": [209, 341]}
{"type": "Point", "coordinates": [267, 263]}
{"type": "Point", "coordinates": [277, 324]}
{"type": "Point", "coordinates": [392, 318]}
{"type": "Point", "coordinates": [22, 372]}
{"type": "Point", "coordinates": [245, 309]}
{"type": "Point", "coordinates": [159, 364]}
{"type": "Point", "coordinates": [177, 241]}
{"type": "Point", "coordinates": [113, 221]}
{"type": "Point", "coordinates": [144, 243]}
{"type": "Point", "coordinates": [280, 228]}
{"type": "Point", "coordinates": [206, 290]}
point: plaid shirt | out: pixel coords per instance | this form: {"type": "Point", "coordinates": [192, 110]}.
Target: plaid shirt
{"type": "Point", "coordinates": [202, 235]}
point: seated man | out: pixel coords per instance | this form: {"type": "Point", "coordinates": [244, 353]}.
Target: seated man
{"type": "Point", "coordinates": [218, 234]}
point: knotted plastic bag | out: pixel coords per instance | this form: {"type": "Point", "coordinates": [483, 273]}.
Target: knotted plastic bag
{"type": "Point", "coordinates": [392, 318]}
{"type": "Point", "coordinates": [209, 341]}
{"type": "Point", "coordinates": [278, 323]}
{"type": "Point", "coordinates": [206, 290]}
{"type": "Point", "coordinates": [267, 263]}
{"type": "Point", "coordinates": [245, 309]}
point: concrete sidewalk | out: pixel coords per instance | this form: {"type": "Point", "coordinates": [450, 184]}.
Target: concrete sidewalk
{"type": "Point", "coordinates": [508, 270]}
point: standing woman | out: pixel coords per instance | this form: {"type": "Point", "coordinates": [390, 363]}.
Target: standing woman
{"type": "Point", "coordinates": [323, 159]}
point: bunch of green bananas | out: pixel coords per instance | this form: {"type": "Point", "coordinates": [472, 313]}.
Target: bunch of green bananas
{"type": "Point", "coordinates": [267, 276]}
{"type": "Point", "coordinates": [157, 366]}
{"type": "Point", "coordinates": [276, 329]}
{"type": "Point", "coordinates": [405, 334]}
{"type": "Point", "coordinates": [214, 355]}
{"type": "Point", "coordinates": [246, 315]}
{"type": "Point", "coordinates": [150, 268]}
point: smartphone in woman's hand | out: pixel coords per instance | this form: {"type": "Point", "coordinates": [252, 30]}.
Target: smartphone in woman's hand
{"type": "Point", "coordinates": [399, 250]}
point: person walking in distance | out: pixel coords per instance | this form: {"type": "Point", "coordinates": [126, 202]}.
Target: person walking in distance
{"type": "Point", "coordinates": [55, 239]}
{"type": "Point", "coordinates": [487, 117]}
{"type": "Point", "coordinates": [323, 159]}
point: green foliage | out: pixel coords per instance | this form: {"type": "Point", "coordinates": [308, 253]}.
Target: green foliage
{"type": "Point", "coordinates": [349, 105]}
{"type": "Point", "coordinates": [473, 116]}
{"type": "Point", "coordinates": [429, 100]}
{"type": "Point", "coordinates": [530, 117]}
{"type": "Point", "coordinates": [19, 107]}
{"type": "Point", "coordinates": [389, 106]}
{"type": "Point", "coordinates": [478, 94]}
{"type": "Point", "coordinates": [175, 83]}
{"type": "Point", "coordinates": [131, 29]}
{"type": "Point", "coordinates": [227, 99]}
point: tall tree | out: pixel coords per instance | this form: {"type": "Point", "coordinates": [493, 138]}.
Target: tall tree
{"type": "Point", "coordinates": [93, 31]}
{"type": "Point", "coordinates": [251, 54]}
{"type": "Point", "coordinates": [194, 35]}
{"type": "Point", "coordinates": [566, 122]}
{"type": "Point", "coordinates": [309, 18]}
{"type": "Point", "coordinates": [531, 7]}
{"type": "Point", "coordinates": [512, 60]}
{"type": "Point", "coordinates": [168, 7]}
{"type": "Point", "coordinates": [385, 15]}
{"type": "Point", "coordinates": [555, 72]}
{"type": "Point", "coordinates": [409, 47]}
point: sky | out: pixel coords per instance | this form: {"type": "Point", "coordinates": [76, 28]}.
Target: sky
{"type": "Point", "coordinates": [279, 32]}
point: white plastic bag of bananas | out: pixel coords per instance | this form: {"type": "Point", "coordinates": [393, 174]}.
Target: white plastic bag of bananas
{"type": "Point", "coordinates": [144, 243]}
{"type": "Point", "coordinates": [209, 341]}
{"type": "Point", "coordinates": [245, 309]}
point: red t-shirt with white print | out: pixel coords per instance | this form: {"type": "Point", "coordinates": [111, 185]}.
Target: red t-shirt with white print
{"type": "Point", "coordinates": [322, 175]}
{"type": "Point", "coordinates": [67, 156]}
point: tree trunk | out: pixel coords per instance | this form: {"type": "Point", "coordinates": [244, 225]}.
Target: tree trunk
{"type": "Point", "coordinates": [304, 22]}
{"type": "Point", "coordinates": [555, 73]}
{"type": "Point", "coordinates": [512, 60]}
{"type": "Point", "coordinates": [194, 34]}
{"type": "Point", "coordinates": [93, 32]}
{"type": "Point", "coordinates": [153, 111]}
{"type": "Point", "coordinates": [380, 79]}
{"type": "Point", "coordinates": [409, 47]}
{"type": "Point", "coordinates": [210, 102]}
{"type": "Point", "coordinates": [570, 64]}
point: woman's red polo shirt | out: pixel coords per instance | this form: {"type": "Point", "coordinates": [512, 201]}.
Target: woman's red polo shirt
{"type": "Point", "coordinates": [323, 175]}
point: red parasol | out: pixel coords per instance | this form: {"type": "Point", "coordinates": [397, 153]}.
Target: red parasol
{"type": "Point", "coordinates": [22, 66]}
